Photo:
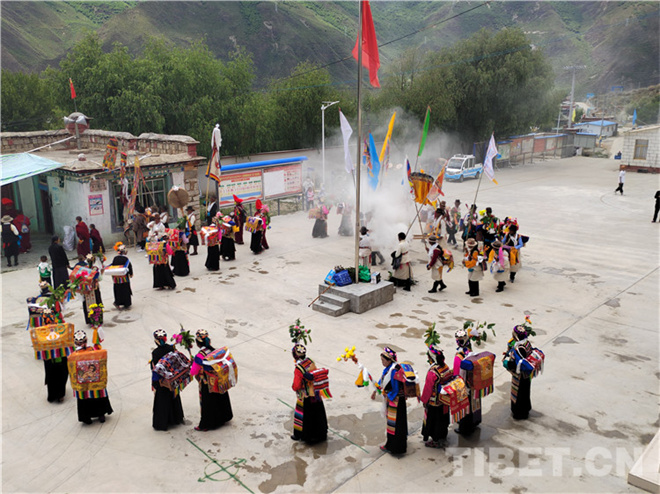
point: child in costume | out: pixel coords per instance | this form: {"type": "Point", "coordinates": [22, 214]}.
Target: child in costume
{"type": "Point", "coordinates": [44, 270]}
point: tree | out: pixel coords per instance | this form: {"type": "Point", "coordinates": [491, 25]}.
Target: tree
{"type": "Point", "coordinates": [298, 100]}
{"type": "Point", "coordinates": [27, 102]}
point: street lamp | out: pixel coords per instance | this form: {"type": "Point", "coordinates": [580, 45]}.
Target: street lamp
{"type": "Point", "coordinates": [326, 104]}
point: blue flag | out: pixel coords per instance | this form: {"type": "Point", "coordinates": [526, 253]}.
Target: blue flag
{"type": "Point", "coordinates": [374, 170]}
{"type": "Point", "coordinates": [634, 117]}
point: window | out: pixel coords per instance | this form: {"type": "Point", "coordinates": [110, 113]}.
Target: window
{"type": "Point", "coordinates": [152, 191]}
{"type": "Point", "coordinates": [641, 147]}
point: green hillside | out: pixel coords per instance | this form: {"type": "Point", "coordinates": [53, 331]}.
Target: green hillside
{"type": "Point", "coordinates": [616, 41]}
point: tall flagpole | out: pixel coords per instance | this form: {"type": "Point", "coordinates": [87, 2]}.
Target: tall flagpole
{"type": "Point", "coordinates": [359, 146]}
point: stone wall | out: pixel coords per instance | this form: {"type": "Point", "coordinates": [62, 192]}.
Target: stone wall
{"type": "Point", "coordinates": [20, 142]}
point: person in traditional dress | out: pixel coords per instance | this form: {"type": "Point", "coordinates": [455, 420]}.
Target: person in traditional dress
{"type": "Point", "coordinates": [256, 245]}
{"type": "Point", "coordinates": [59, 261]}
{"type": "Point", "coordinates": [10, 239]}
{"type": "Point", "coordinates": [394, 402]}
{"type": "Point", "coordinates": [139, 227]}
{"type": "Point", "coordinates": [469, 423]}
{"type": "Point", "coordinates": [95, 297]}
{"type": "Point", "coordinates": [514, 243]}
{"type": "Point", "coordinates": [180, 262]}
{"type": "Point", "coordinates": [55, 369]}
{"type": "Point", "coordinates": [263, 211]}
{"type": "Point", "coordinates": [489, 226]}
{"type": "Point", "coordinates": [90, 407]}
{"type": "Point", "coordinates": [213, 246]}
{"type": "Point", "coordinates": [227, 244]}
{"type": "Point", "coordinates": [364, 249]}
{"type": "Point", "coordinates": [320, 229]}
{"type": "Point", "coordinates": [403, 273]}
{"type": "Point", "coordinates": [97, 241]}
{"type": "Point", "coordinates": [193, 240]}
{"type": "Point", "coordinates": [167, 409]}
{"type": "Point", "coordinates": [156, 229]}
{"type": "Point", "coordinates": [346, 225]}
{"type": "Point", "coordinates": [436, 414]}
{"type": "Point", "coordinates": [310, 423]}
{"type": "Point", "coordinates": [519, 348]}
{"type": "Point", "coordinates": [164, 216]}
{"type": "Point", "coordinates": [82, 232]}
{"type": "Point", "coordinates": [436, 264]}
{"type": "Point", "coordinates": [452, 225]}
{"type": "Point", "coordinates": [472, 262]}
{"type": "Point", "coordinates": [22, 224]}
{"type": "Point", "coordinates": [498, 258]}
{"type": "Point", "coordinates": [240, 216]}
{"type": "Point", "coordinates": [121, 285]}
{"type": "Point", "coordinates": [215, 407]}
{"type": "Point", "coordinates": [211, 209]}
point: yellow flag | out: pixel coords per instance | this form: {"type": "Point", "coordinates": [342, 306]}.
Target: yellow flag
{"type": "Point", "coordinates": [387, 137]}
{"type": "Point", "coordinates": [573, 116]}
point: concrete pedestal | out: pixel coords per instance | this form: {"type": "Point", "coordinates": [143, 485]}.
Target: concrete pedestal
{"type": "Point", "coordinates": [357, 297]}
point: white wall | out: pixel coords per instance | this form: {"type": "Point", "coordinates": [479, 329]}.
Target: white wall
{"type": "Point", "coordinates": [28, 202]}
{"type": "Point", "coordinates": [73, 200]}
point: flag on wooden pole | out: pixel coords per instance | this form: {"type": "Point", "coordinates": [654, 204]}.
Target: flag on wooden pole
{"type": "Point", "coordinates": [370, 58]}
{"type": "Point", "coordinates": [488, 161]}
{"type": "Point", "coordinates": [436, 188]}
{"type": "Point", "coordinates": [346, 132]}
{"type": "Point", "coordinates": [213, 169]}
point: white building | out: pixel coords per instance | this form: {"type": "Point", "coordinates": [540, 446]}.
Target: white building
{"type": "Point", "coordinates": [602, 128]}
{"type": "Point", "coordinates": [641, 148]}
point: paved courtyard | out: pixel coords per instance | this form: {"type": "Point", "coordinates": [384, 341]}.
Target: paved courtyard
{"type": "Point", "coordinates": [589, 283]}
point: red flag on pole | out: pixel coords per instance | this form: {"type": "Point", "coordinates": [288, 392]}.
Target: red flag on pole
{"type": "Point", "coordinates": [370, 58]}
{"type": "Point", "coordinates": [73, 91]}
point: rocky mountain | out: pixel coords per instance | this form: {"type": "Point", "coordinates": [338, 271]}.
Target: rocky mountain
{"type": "Point", "coordinates": [616, 42]}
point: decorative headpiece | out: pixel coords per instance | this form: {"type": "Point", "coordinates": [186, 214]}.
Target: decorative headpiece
{"type": "Point", "coordinates": [470, 243]}
{"type": "Point", "coordinates": [259, 205]}
{"type": "Point", "coordinates": [237, 199]}
{"type": "Point", "coordinates": [496, 244]}
{"type": "Point", "coordinates": [299, 351]}
{"type": "Point", "coordinates": [462, 337]}
{"type": "Point", "coordinates": [119, 247]}
{"type": "Point", "coordinates": [389, 354]}
{"type": "Point", "coordinates": [524, 330]}
{"type": "Point", "coordinates": [202, 336]}
{"type": "Point", "coordinates": [160, 336]}
{"type": "Point", "coordinates": [80, 338]}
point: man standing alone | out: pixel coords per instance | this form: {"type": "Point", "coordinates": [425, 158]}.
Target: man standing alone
{"type": "Point", "coordinates": [622, 180]}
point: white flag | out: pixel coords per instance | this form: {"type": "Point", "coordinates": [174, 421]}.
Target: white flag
{"type": "Point", "coordinates": [488, 161]}
{"type": "Point", "coordinates": [346, 133]}
{"type": "Point", "coordinates": [216, 138]}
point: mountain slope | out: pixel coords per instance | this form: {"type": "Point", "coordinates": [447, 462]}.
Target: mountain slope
{"type": "Point", "coordinates": [616, 41]}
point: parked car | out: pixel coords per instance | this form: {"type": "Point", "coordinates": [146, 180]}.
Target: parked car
{"type": "Point", "coordinates": [461, 166]}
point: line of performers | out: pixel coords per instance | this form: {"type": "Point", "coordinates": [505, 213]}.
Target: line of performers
{"type": "Point", "coordinates": [449, 395]}
{"type": "Point", "coordinates": [489, 245]}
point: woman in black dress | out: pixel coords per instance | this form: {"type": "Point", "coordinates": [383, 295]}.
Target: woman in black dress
{"type": "Point", "coordinates": [167, 409]}
{"type": "Point", "coordinates": [215, 407]}
{"type": "Point", "coordinates": [89, 408]}
{"type": "Point", "coordinates": [193, 241]}
{"type": "Point", "coordinates": [213, 250]}
{"type": "Point", "coordinates": [310, 423]}
{"type": "Point", "coordinates": [59, 261]}
{"type": "Point", "coordinates": [122, 284]}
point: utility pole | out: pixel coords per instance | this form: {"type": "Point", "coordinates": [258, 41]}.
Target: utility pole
{"type": "Point", "coordinates": [324, 106]}
{"type": "Point", "coordinates": [570, 109]}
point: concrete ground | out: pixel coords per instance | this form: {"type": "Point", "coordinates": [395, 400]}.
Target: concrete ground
{"type": "Point", "coordinates": [589, 282]}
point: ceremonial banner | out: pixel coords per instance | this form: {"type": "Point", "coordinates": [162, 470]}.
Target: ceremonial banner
{"type": "Point", "coordinates": [88, 370]}
{"type": "Point", "coordinates": [52, 341]}
{"type": "Point", "coordinates": [110, 156]}
{"type": "Point", "coordinates": [421, 184]}
{"type": "Point", "coordinates": [370, 57]}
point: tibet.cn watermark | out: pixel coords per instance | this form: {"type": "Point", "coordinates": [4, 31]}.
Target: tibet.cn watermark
{"type": "Point", "coordinates": [542, 462]}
